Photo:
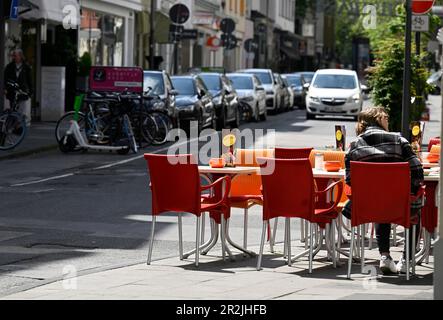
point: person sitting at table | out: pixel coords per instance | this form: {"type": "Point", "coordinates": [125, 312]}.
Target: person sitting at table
{"type": "Point", "coordinates": [376, 144]}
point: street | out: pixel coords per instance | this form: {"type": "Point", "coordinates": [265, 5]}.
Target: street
{"type": "Point", "coordinates": [91, 210]}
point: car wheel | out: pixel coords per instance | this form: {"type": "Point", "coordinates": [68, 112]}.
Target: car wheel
{"type": "Point", "coordinates": [310, 116]}
{"type": "Point", "coordinates": [257, 114]}
{"type": "Point", "coordinates": [221, 121]}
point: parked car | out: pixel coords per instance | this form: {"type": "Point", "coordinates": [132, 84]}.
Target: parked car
{"type": "Point", "coordinates": [307, 76]}
{"type": "Point", "coordinates": [194, 102]}
{"type": "Point", "coordinates": [160, 93]}
{"type": "Point", "coordinates": [285, 99]}
{"type": "Point", "coordinates": [435, 81]}
{"type": "Point", "coordinates": [225, 99]}
{"type": "Point", "coordinates": [334, 92]}
{"type": "Point", "coordinates": [296, 83]}
{"type": "Point", "coordinates": [273, 91]}
{"type": "Point", "coordinates": [252, 93]}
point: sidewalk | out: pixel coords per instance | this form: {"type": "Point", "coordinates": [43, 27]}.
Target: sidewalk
{"type": "Point", "coordinates": [172, 279]}
{"type": "Point", "coordinates": [39, 138]}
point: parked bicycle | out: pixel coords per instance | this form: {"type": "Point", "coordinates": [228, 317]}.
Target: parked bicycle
{"type": "Point", "coordinates": [12, 122]}
{"type": "Point", "coordinates": [105, 124]}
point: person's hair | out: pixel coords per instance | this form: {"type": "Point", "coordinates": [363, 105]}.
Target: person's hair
{"type": "Point", "coordinates": [369, 118]}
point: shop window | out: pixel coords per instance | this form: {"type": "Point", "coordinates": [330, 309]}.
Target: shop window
{"type": "Point", "coordinates": [102, 35]}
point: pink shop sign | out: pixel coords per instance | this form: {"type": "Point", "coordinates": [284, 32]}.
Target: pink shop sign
{"type": "Point", "coordinates": [116, 79]}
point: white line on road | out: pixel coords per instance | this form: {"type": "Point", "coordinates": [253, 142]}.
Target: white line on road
{"type": "Point", "coordinates": [111, 165]}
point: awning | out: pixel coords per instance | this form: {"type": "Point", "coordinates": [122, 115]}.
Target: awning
{"type": "Point", "coordinates": [51, 10]}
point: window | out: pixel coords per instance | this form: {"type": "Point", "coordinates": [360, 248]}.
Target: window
{"type": "Point", "coordinates": [102, 35]}
{"type": "Point", "coordinates": [335, 81]}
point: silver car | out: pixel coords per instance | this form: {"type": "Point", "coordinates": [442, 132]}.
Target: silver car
{"type": "Point", "coordinates": [251, 93]}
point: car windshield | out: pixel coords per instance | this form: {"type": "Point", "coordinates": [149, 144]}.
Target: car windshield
{"type": "Point", "coordinates": [212, 82]}
{"type": "Point", "coordinates": [242, 83]}
{"type": "Point", "coordinates": [155, 82]}
{"type": "Point", "coordinates": [184, 86]}
{"type": "Point", "coordinates": [264, 77]}
{"type": "Point", "coordinates": [335, 81]}
{"type": "Point", "coordinates": [308, 76]}
{"type": "Point", "coordinates": [295, 81]}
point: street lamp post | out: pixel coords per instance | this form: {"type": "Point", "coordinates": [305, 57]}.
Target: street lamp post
{"type": "Point", "coordinates": [2, 55]}
{"type": "Point", "coordinates": [407, 72]}
{"type": "Point", "coordinates": [151, 36]}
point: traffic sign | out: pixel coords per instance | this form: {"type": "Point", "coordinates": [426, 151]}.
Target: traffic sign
{"type": "Point", "coordinates": [420, 23]}
{"type": "Point", "coordinates": [179, 14]}
{"type": "Point", "coordinates": [229, 41]}
{"type": "Point", "coordinates": [213, 43]}
{"type": "Point", "coordinates": [13, 15]}
{"type": "Point", "coordinates": [227, 25]}
{"type": "Point", "coordinates": [191, 34]}
{"type": "Point", "coordinates": [422, 6]}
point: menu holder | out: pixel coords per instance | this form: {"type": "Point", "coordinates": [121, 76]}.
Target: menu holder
{"type": "Point", "coordinates": [340, 138]}
{"type": "Point", "coordinates": [417, 130]}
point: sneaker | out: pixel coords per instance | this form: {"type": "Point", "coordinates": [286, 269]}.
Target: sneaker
{"type": "Point", "coordinates": [387, 265]}
{"type": "Point", "coordinates": [401, 266]}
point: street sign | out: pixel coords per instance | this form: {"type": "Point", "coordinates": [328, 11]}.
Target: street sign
{"type": "Point", "coordinates": [229, 41]}
{"type": "Point", "coordinates": [227, 25]}
{"type": "Point", "coordinates": [13, 15]}
{"type": "Point", "coordinates": [422, 6]}
{"type": "Point", "coordinates": [214, 43]}
{"type": "Point", "coordinates": [179, 14]}
{"type": "Point", "coordinates": [420, 23]}
{"type": "Point", "coordinates": [191, 34]}
{"type": "Point", "coordinates": [250, 45]}
{"type": "Point", "coordinates": [175, 32]}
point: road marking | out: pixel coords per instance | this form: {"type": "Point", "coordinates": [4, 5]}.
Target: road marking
{"type": "Point", "coordinates": [105, 166]}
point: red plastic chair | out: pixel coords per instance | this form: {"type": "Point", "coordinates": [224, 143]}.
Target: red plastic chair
{"type": "Point", "coordinates": [290, 153]}
{"type": "Point", "coordinates": [293, 153]}
{"type": "Point", "coordinates": [176, 187]}
{"type": "Point", "coordinates": [432, 142]}
{"type": "Point", "coordinates": [382, 203]}
{"type": "Point", "coordinates": [289, 192]}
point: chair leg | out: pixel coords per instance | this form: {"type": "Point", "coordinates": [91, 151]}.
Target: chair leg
{"type": "Point", "coordinates": [407, 254]}
{"type": "Point", "coordinates": [351, 252]}
{"type": "Point", "coordinates": [285, 243]}
{"type": "Point", "coordinates": [274, 235]}
{"type": "Point", "coordinates": [362, 254]}
{"type": "Point", "coordinates": [334, 253]}
{"type": "Point", "coordinates": [302, 231]}
{"type": "Point", "coordinates": [203, 228]}
{"type": "Point", "coordinates": [413, 249]}
{"type": "Point", "coordinates": [223, 237]}
{"type": "Point", "coordinates": [306, 234]}
{"type": "Point", "coordinates": [180, 236]}
{"type": "Point", "coordinates": [311, 248]}
{"type": "Point", "coordinates": [288, 239]}
{"type": "Point", "coordinates": [151, 242]}
{"type": "Point", "coordinates": [245, 229]}
{"type": "Point", "coordinates": [394, 229]}
{"type": "Point", "coordinates": [262, 244]}
{"type": "Point", "coordinates": [371, 238]}
{"type": "Point", "coordinates": [197, 244]}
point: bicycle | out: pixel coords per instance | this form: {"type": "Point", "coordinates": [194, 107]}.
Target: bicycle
{"type": "Point", "coordinates": [12, 122]}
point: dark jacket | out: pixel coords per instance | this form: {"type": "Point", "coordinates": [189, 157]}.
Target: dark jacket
{"type": "Point", "coordinates": [24, 79]}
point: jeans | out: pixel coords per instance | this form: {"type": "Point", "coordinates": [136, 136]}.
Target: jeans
{"type": "Point", "coordinates": [383, 232]}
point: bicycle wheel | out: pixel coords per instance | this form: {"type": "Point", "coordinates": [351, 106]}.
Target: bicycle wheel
{"type": "Point", "coordinates": [12, 130]}
{"type": "Point", "coordinates": [64, 124]}
{"type": "Point", "coordinates": [163, 126]}
{"type": "Point", "coordinates": [148, 128]}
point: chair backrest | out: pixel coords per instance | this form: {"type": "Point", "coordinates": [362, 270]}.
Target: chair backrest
{"type": "Point", "coordinates": [248, 157]}
{"type": "Point", "coordinates": [433, 141]}
{"type": "Point", "coordinates": [329, 155]}
{"type": "Point", "coordinates": [175, 184]}
{"type": "Point", "coordinates": [289, 190]}
{"type": "Point", "coordinates": [380, 193]}
{"type": "Point", "coordinates": [248, 184]}
{"type": "Point", "coordinates": [298, 153]}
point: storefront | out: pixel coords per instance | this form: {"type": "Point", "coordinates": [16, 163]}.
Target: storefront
{"type": "Point", "coordinates": [107, 31]}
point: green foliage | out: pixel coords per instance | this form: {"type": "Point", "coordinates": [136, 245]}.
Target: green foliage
{"type": "Point", "coordinates": [386, 79]}
{"type": "Point", "coordinates": [84, 64]}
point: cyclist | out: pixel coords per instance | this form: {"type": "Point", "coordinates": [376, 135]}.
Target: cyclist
{"type": "Point", "coordinates": [18, 71]}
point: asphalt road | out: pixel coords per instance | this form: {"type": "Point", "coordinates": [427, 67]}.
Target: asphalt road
{"type": "Point", "coordinates": [89, 212]}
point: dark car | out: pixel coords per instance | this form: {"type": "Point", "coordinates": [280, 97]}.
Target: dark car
{"type": "Point", "coordinates": [160, 94]}
{"type": "Point", "coordinates": [225, 99]}
{"type": "Point", "coordinates": [296, 84]}
{"type": "Point", "coordinates": [307, 76]}
{"type": "Point", "coordinates": [194, 102]}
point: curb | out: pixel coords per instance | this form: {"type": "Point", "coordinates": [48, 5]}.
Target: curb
{"type": "Point", "coordinates": [25, 153]}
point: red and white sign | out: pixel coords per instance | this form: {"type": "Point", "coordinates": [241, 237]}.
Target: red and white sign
{"type": "Point", "coordinates": [422, 6]}
{"type": "Point", "coordinates": [116, 79]}
{"type": "Point", "coordinates": [213, 43]}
